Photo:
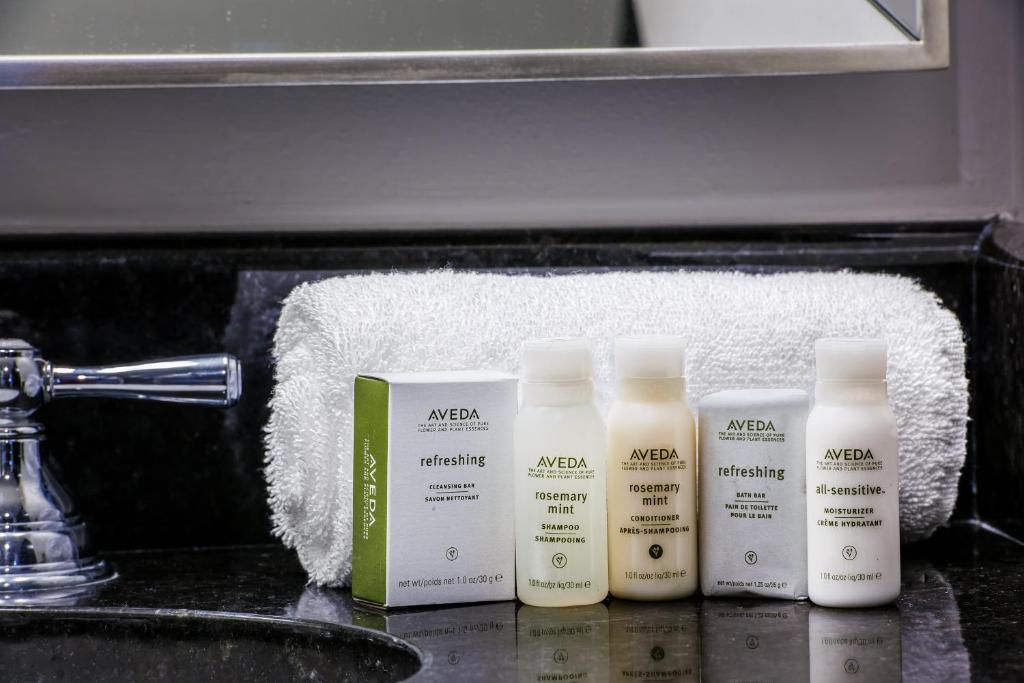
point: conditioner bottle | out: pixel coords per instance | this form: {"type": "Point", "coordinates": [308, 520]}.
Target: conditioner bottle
{"type": "Point", "coordinates": [561, 516]}
{"type": "Point", "coordinates": [853, 525]}
{"type": "Point", "coordinates": [652, 497]}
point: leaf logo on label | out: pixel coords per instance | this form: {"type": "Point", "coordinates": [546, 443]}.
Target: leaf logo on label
{"type": "Point", "coordinates": [559, 560]}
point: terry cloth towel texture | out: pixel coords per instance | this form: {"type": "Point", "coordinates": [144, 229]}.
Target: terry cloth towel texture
{"type": "Point", "coordinates": [741, 331]}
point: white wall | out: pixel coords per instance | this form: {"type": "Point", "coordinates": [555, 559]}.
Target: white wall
{"type": "Point", "coordinates": [871, 147]}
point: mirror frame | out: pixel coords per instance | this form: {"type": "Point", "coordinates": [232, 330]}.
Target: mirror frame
{"type": "Point", "coordinates": [318, 68]}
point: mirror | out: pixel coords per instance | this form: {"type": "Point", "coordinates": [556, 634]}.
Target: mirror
{"type": "Point", "coordinates": [100, 42]}
{"type": "Point", "coordinates": [757, 23]}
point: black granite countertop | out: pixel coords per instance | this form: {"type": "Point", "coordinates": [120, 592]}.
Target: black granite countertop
{"type": "Point", "coordinates": [958, 619]}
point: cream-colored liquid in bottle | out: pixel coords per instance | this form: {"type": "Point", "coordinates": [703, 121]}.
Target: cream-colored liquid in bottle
{"type": "Point", "coordinates": [561, 519]}
{"type": "Point", "coordinates": [652, 488]}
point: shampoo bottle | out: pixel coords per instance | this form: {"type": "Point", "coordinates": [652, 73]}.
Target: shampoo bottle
{"type": "Point", "coordinates": [652, 496]}
{"type": "Point", "coordinates": [853, 524]}
{"type": "Point", "coordinates": [561, 516]}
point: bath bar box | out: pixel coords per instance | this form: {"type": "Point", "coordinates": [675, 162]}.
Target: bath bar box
{"type": "Point", "coordinates": [753, 504]}
{"type": "Point", "coordinates": [432, 495]}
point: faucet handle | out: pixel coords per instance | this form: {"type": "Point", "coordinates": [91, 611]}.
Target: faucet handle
{"type": "Point", "coordinates": [27, 381]}
{"type": "Point", "coordinates": [213, 380]}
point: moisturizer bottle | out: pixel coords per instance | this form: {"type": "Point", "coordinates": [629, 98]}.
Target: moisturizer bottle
{"type": "Point", "coordinates": [853, 516]}
{"type": "Point", "coordinates": [561, 517]}
{"type": "Point", "coordinates": [652, 496]}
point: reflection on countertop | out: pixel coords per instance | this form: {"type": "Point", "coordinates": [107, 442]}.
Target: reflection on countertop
{"type": "Point", "coordinates": [953, 622]}
{"type": "Point", "coordinates": [709, 640]}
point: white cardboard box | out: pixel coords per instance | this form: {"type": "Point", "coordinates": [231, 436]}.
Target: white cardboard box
{"type": "Point", "coordinates": [432, 493]}
{"type": "Point", "coordinates": [752, 492]}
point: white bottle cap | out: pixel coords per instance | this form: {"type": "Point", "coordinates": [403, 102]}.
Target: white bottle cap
{"type": "Point", "coordinates": [557, 360]}
{"type": "Point", "coordinates": [649, 357]}
{"type": "Point", "coordinates": [851, 360]}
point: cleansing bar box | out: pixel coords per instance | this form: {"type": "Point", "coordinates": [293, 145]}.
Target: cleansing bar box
{"type": "Point", "coordinates": [432, 492]}
{"type": "Point", "coordinates": [753, 535]}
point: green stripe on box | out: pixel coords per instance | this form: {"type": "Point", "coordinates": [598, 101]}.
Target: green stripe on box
{"type": "Point", "coordinates": [369, 620]}
{"type": "Point", "coordinates": [370, 497]}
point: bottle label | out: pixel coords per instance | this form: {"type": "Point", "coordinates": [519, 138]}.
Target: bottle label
{"type": "Point", "coordinates": [561, 502]}
{"type": "Point", "coordinates": [648, 512]}
{"type": "Point", "coordinates": [846, 508]}
{"type": "Point", "coordinates": [850, 503]}
{"type": "Point", "coordinates": [654, 500]}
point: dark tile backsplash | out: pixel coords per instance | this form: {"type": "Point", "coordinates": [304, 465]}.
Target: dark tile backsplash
{"type": "Point", "coordinates": [999, 375]}
{"type": "Point", "coordinates": [160, 475]}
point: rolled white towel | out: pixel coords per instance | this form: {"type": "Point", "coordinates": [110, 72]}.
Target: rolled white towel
{"type": "Point", "coordinates": [741, 331]}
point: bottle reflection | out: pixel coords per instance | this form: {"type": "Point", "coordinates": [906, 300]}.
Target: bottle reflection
{"type": "Point", "coordinates": [754, 641]}
{"type": "Point", "coordinates": [855, 643]}
{"type": "Point", "coordinates": [562, 643]}
{"type": "Point", "coordinates": [713, 640]}
{"type": "Point", "coordinates": [654, 641]}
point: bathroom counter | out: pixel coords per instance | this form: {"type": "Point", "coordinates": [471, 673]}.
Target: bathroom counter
{"type": "Point", "coordinates": [957, 619]}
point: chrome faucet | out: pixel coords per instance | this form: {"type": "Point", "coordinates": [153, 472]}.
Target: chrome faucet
{"type": "Point", "coordinates": [44, 549]}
